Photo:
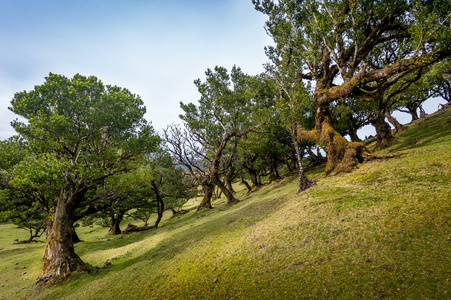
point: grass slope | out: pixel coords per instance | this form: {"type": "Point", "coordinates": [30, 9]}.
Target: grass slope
{"type": "Point", "coordinates": [383, 231]}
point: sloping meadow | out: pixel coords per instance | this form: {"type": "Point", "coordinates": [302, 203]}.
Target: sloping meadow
{"type": "Point", "coordinates": [382, 231]}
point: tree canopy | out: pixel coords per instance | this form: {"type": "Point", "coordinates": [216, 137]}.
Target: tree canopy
{"type": "Point", "coordinates": [337, 45]}
{"type": "Point", "coordinates": [83, 148]}
{"type": "Point", "coordinates": [77, 133]}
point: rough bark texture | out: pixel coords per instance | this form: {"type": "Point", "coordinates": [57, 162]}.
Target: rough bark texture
{"type": "Point", "coordinates": [342, 156]}
{"type": "Point", "coordinates": [206, 200]}
{"type": "Point", "coordinates": [59, 258]}
{"type": "Point", "coordinates": [229, 195]}
{"type": "Point", "coordinates": [398, 126]}
{"type": "Point", "coordinates": [384, 137]}
{"type": "Point", "coordinates": [303, 182]}
{"type": "Point", "coordinates": [115, 221]}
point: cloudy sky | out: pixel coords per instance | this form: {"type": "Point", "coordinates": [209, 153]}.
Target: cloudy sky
{"type": "Point", "coordinates": [154, 48]}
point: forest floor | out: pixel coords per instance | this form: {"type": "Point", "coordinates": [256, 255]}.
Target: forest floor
{"type": "Point", "coordinates": [382, 231]}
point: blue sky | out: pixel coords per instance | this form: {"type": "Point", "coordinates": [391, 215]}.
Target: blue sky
{"type": "Point", "coordinates": [154, 48]}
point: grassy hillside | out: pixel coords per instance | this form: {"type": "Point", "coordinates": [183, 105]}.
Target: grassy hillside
{"type": "Point", "coordinates": [383, 231]}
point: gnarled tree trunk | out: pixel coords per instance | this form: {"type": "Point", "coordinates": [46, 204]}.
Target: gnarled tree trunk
{"type": "Point", "coordinates": [342, 155]}
{"type": "Point", "coordinates": [228, 178]}
{"type": "Point", "coordinates": [384, 137]}
{"type": "Point", "coordinates": [59, 258]}
{"type": "Point", "coordinates": [229, 195]}
{"type": "Point", "coordinates": [398, 126]}
{"type": "Point", "coordinates": [207, 187]}
{"type": "Point", "coordinates": [352, 129]}
{"type": "Point", "coordinates": [115, 221]}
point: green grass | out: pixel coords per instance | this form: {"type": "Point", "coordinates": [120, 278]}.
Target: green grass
{"type": "Point", "coordinates": [383, 231]}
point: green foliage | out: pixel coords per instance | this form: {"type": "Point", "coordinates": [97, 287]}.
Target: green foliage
{"type": "Point", "coordinates": [17, 208]}
{"type": "Point", "coordinates": [162, 181]}
{"type": "Point", "coordinates": [371, 45]}
{"type": "Point", "coordinates": [381, 231]}
{"type": "Point", "coordinates": [79, 134]}
{"type": "Point", "coordinates": [230, 103]}
{"type": "Point", "coordinates": [231, 106]}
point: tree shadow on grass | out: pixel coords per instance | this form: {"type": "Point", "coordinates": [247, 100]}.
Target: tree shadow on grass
{"type": "Point", "coordinates": [193, 228]}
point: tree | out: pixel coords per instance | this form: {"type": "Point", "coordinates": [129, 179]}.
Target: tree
{"type": "Point", "coordinates": [187, 151]}
{"type": "Point", "coordinates": [121, 193]}
{"type": "Point", "coordinates": [292, 105]}
{"type": "Point", "coordinates": [327, 39]}
{"type": "Point", "coordinates": [434, 83]}
{"type": "Point", "coordinates": [167, 183]}
{"type": "Point", "coordinates": [15, 207]}
{"type": "Point", "coordinates": [352, 115]}
{"type": "Point", "coordinates": [78, 132]}
{"type": "Point", "coordinates": [228, 106]}
{"type": "Point", "coordinates": [164, 184]}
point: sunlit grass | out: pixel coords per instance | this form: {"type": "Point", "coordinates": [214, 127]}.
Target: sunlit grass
{"type": "Point", "coordinates": [383, 231]}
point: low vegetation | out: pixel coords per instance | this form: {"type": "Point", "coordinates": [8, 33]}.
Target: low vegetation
{"type": "Point", "coordinates": [382, 231]}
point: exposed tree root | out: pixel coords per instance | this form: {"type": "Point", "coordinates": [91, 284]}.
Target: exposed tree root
{"type": "Point", "coordinates": [133, 228]}
{"type": "Point", "coordinates": [370, 156]}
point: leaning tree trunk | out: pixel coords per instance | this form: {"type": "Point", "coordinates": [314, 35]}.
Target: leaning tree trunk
{"type": "Point", "coordinates": [352, 129]}
{"type": "Point", "coordinates": [342, 155]}
{"type": "Point", "coordinates": [398, 126]}
{"type": "Point", "coordinates": [207, 187]}
{"type": "Point", "coordinates": [59, 258]}
{"type": "Point", "coordinates": [248, 187]}
{"type": "Point", "coordinates": [254, 178]}
{"type": "Point", "coordinates": [230, 175]}
{"type": "Point", "coordinates": [229, 195]}
{"type": "Point", "coordinates": [412, 110]}
{"type": "Point", "coordinates": [303, 182]}
{"type": "Point", "coordinates": [37, 234]}
{"type": "Point", "coordinates": [115, 221]}
{"type": "Point", "coordinates": [160, 205]}
{"type": "Point", "coordinates": [384, 137]}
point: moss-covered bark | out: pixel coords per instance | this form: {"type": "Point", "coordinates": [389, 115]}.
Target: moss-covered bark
{"type": "Point", "coordinates": [208, 193]}
{"type": "Point", "coordinates": [115, 221]}
{"type": "Point", "coordinates": [60, 259]}
{"type": "Point", "coordinates": [342, 155]}
{"type": "Point", "coordinates": [229, 195]}
{"type": "Point", "coordinates": [384, 136]}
